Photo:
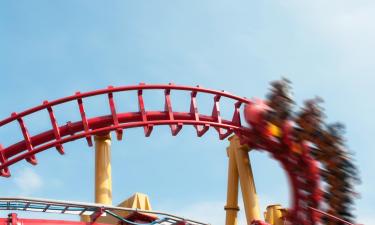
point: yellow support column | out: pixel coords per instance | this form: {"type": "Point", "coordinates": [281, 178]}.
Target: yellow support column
{"type": "Point", "coordinates": [103, 175]}
{"type": "Point", "coordinates": [245, 173]}
{"type": "Point", "coordinates": [232, 192]}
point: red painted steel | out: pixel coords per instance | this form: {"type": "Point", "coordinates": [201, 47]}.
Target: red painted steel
{"type": "Point", "coordinates": [175, 128]}
{"type": "Point", "coordinates": [4, 172]}
{"type": "Point", "coordinates": [56, 129]}
{"type": "Point", "coordinates": [148, 126]}
{"type": "Point", "coordinates": [117, 121]}
{"type": "Point", "coordinates": [56, 137]}
{"type": "Point", "coordinates": [31, 158]}
{"type": "Point", "coordinates": [201, 130]}
{"type": "Point", "coordinates": [114, 114]}
{"type": "Point", "coordinates": [14, 220]}
{"type": "Point", "coordinates": [84, 120]}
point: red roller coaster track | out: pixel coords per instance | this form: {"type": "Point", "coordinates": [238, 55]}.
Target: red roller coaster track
{"type": "Point", "coordinates": [58, 135]}
{"type": "Point", "coordinates": [302, 181]}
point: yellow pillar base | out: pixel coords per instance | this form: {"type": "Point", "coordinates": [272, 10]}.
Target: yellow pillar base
{"type": "Point", "coordinates": [275, 215]}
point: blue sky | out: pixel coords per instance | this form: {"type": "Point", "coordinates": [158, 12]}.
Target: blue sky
{"type": "Point", "coordinates": [51, 49]}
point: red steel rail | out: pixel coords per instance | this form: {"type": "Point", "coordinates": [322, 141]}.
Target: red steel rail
{"type": "Point", "coordinates": [27, 148]}
{"type": "Point", "coordinates": [58, 135]}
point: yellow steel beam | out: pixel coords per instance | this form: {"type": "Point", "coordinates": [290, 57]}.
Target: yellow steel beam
{"type": "Point", "coordinates": [103, 176]}
{"type": "Point", "coordinates": [245, 173]}
{"type": "Point", "coordinates": [232, 192]}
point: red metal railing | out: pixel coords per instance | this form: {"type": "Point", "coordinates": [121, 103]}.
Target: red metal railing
{"type": "Point", "coordinates": [86, 127]}
{"type": "Point", "coordinates": [116, 121]}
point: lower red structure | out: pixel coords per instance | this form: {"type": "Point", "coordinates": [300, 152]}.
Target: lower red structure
{"type": "Point", "coordinates": [14, 220]}
{"type": "Point", "coordinates": [135, 217]}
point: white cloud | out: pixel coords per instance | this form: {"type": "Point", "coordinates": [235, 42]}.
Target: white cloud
{"type": "Point", "coordinates": [28, 182]}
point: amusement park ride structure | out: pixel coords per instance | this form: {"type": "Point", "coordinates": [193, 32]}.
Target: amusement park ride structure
{"type": "Point", "coordinates": [309, 152]}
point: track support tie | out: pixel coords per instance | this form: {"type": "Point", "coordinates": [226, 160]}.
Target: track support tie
{"type": "Point", "coordinates": [4, 172]}
{"type": "Point", "coordinates": [112, 106]}
{"type": "Point", "coordinates": [55, 127]}
{"type": "Point", "coordinates": [84, 120]}
{"type": "Point", "coordinates": [31, 159]}
{"type": "Point", "coordinates": [201, 130]}
{"type": "Point", "coordinates": [217, 117]}
{"type": "Point", "coordinates": [236, 119]}
{"type": "Point", "coordinates": [141, 105]}
{"type": "Point", "coordinates": [175, 128]}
